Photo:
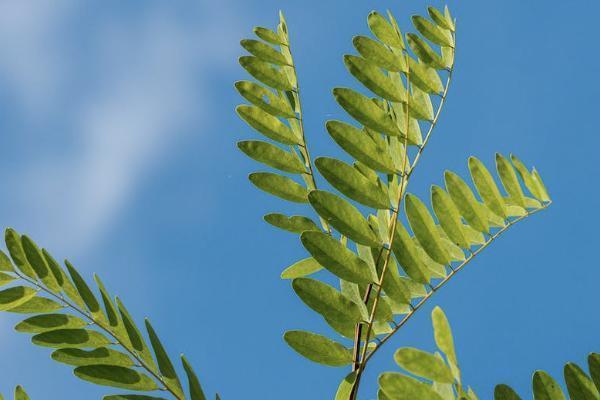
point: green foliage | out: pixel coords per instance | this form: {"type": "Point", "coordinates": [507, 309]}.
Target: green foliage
{"type": "Point", "coordinates": [388, 262]}
{"type": "Point", "coordinates": [103, 345]}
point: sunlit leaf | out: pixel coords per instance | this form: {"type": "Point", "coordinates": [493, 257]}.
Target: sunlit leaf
{"type": "Point", "coordinates": [295, 223]}
{"type": "Point", "coordinates": [505, 392]}
{"type": "Point", "coordinates": [116, 376]}
{"type": "Point", "coordinates": [384, 31]}
{"type": "Point", "coordinates": [195, 389]}
{"type": "Point", "coordinates": [280, 186]}
{"type": "Point", "coordinates": [265, 99]}
{"type": "Point", "coordinates": [15, 296]}
{"type": "Point", "coordinates": [265, 73]}
{"type": "Point", "coordinates": [399, 386]}
{"type": "Point", "coordinates": [432, 32]}
{"type": "Point", "coordinates": [374, 79]}
{"type": "Point", "coordinates": [545, 387]}
{"type": "Point", "coordinates": [263, 51]}
{"type": "Point", "coordinates": [365, 111]}
{"type": "Point", "coordinates": [318, 348]}
{"type": "Point", "coordinates": [424, 52]}
{"type": "Point", "coordinates": [75, 338]}
{"type": "Point", "coordinates": [267, 124]}
{"type": "Point", "coordinates": [406, 253]}
{"type": "Point", "coordinates": [486, 187]}
{"type": "Point", "coordinates": [379, 54]}
{"type": "Point", "coordinates": [272, 156]}
{"type": "Point", "coordinates": [301, 268]}
{"type": "Point", "coordinates": [423, 364]}
{"type": "Point", "coordinates": [102, 355]}
{"type": "Point", "coordinates": [465, 201]}
{"type": "Point", "coordinates": [425, 230]}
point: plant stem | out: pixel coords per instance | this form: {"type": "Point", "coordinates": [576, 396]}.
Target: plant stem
{"type": "Point", "coordinates": [100, 325]}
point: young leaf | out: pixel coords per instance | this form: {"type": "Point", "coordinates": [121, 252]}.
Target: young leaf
{"type": "Point", "coordinates": [360, 146]}
{"type": "Point", "coordinates": [509, 180]}
{"type": "Point", "coordinates": [343, 216]}
{"type": "Point", "coordinates": [268, 36]}
{"type": "Point", "coordinates": [425, 229]}
{"type": "Point", "coordinates": [424, 77]}
{"type": "Point", "coordinates": [109, 307]}
{"type": "Point", "coordinates": [5, 279]}
{"type": "Point", "coordinates": [15, 249]}
{"type": "Point", "coordinates": [465, 201]}
{"type": "Point", "coordinates": [443, 334]}
{"type": "Point", "coordinates": [406, 253]}
{"type": "Point", "coordinates": [440, 19]}
{"type": "Point", "coordinates": [336, 258]}
{"type": "Point", "coordinates": [20, 394]}
{"type": "Point", "coordinates": [116, 376]}
{"type": "Point", "coordinates": [35, 259]}
{"type": "Point", "coordinates": [424, 52]}
{"type": "Point", "coordinates": [384, 31]}
{"type": "Point", "coordinates": [594, 366]}
{"type": "Point", "coordinates": [195, 388]}
{"type": "Point", "coordinates": [5, 264]}
{"type": "Point", "coordinates": [267, 124]}
{"type": "Point", "coordinates": [37, 305]}
{"type": "Point", "coordinates": [486, 187]}
{"type": "Point", "coordinates": [327, 301]}
{"type": "Point", "coordinates": [374, 79]}
{"type": "Point", "coordinates": [265, 73]}
{"type": "Point", "coordinates": [134, 334]}
{"type": "Point", "coordinates": [399, 386]}
{"type": "Point", "coordinates": [432, 32]}
{"type": "Point", "coordinates": [272, 156]}
{"type": "Point", "coordinates": [265, 99]}
{"type": "Point", "coordinates": [263, 51]}
{"type": "Point", "coordinates": [302, 268]}
{"type": "Point", "coordinates": [423, 364]}
{"type": "Point", "coordinates": [280, 186]}
{"type": "Point", "coordinates": [365, 111]}
{"type": "Point", "coordinates": [49, 322]}
{"type": "Point", "coordinates": [346, 386]}
{"type": "Point", "coordinates": [449, 217]}
{"type": "Point", "coordinates": [379, 55]}
{"type": "Point", "coordinates": [295, 223]}
{"type": "Point", "coordinates": [318, 348]}
{"type": "Point", "coordinates": [352, 183]}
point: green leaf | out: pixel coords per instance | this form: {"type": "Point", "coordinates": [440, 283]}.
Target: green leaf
{"type": "Point", "coordinates": [425, 230]}
{"type": "Point", "coordinates": [486, 187]}
{"type": "Point", "coordinates": [423, 364]}
{"type": "Point", "coordinates": [594, 366]}
{"type": "Point", "coordinates": [374, 79]}
{"type": "Point", "coordinates": [352, 183]}
{"type": "Point", "coordinates": [327, 301]}
{"type": "Point", "coordinates": [272, 156]}
{"type": "Point", "coordinates": [55, 268]}
{"type": "Point", "coordinates": [420, 106]}
{"type": "Point", "coordinates": [20, 394]}
{"type": "Point", "coordinates": [268, 36]}
{"type": "Point", "coordinates": [432, 32]}
{"type": "Point", "coordinates": [34, 258]}
{"type": "Point", "coordinates": [83, 289]}
{"type": "Point", "coordinates": [384, 31]}
{"type": "Point", "coordinates": [15, 296]}
{"type": "Point", "coordinates": [406, 253]}
{"type": "Point", "coordinates": [540, 183]}
{"type": "Point", "coordinates": [15, 249]}
{"type": "Point", "coordinates": [165, 365]}
{"type": "Point", "coordinates": [102, 355]}
{"type": "Point", "coordinates": [37, 305]}
{"type": "Point", "coordinates": [509, 180]}
{"type": "Point", "coordinates": [280, 186]}
{"type": "Point", "coordinates": [465, 201]}
{"type": "Point", "coordinates": [545, 387]}
{"type": "Point", "coordinates": [440, 19]}
{"type": "Point", "coordinates": [379, 54]}
{"type": "Point", "coordinates": [302, 268]}
{"type": "Point", "coordinates": [75, 338]}
{"type": "Point", "coordinates": [337, 259]}
{"type": "Point", "coordinates": [295, 223]}
{"type": "Point", "coordinates": [579, 385]}
{"type": "Point", "coordinates": [527, 177]}
{"type": "Point", "coordinates": [195, 388]}
{"type": "Point", "coordinates": [318, 348]}
{"type": "Point", "coordinates": [346, 386]}
{"type": "Point", "coordinates": [399, 386]}
{"type": "Point", "coordinates": [109, 307]}
{"type": "Point", "coordinates": [361, 146]}
{"type": "Point", "coordinates": [267, 124]}
{"type": "Point", "coordinates": [49, 322]}
{"type": "Point", "coordinates": [343, 216]}
{"type": "Point", "coordinates": [5, 263]}
{"type": "Point", "coordinates": [5, 279]}
{"type": "Point", "coordinates": [365, 111]}
{"type": "Point", "coordinates": [424, 77]}
{"type": "Point", "coordinates": [265, 73]}
{"type": "Point", "coordinates": [443, 334]}
{"type": "Point", "coordinates": [505, 392]}
{"type": "Point", "coordinates": [424, 52]}
{"type": "Point", "coordinates": [263, 51]}
{"type": "Point", "coordinates": [448, 216]}
{"type": "Point", "coordinates": [115, 376]}
{"type": "Point", "coordinates": [414, 130]}
{"type": "Point", "coordinates": [265, 99]}
{"type": "Point", "coordinates": [134, 334]}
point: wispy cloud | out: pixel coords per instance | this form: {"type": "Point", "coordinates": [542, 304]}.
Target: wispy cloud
{"type": "Point", "coordinates": [122, 89]}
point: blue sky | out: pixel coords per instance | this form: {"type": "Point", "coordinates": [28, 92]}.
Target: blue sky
{"type": "Point", "coordinates": [118, 152]}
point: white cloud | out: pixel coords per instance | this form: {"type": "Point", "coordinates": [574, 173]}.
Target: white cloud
{"type": "Point", "coordinates": [141, 83]}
